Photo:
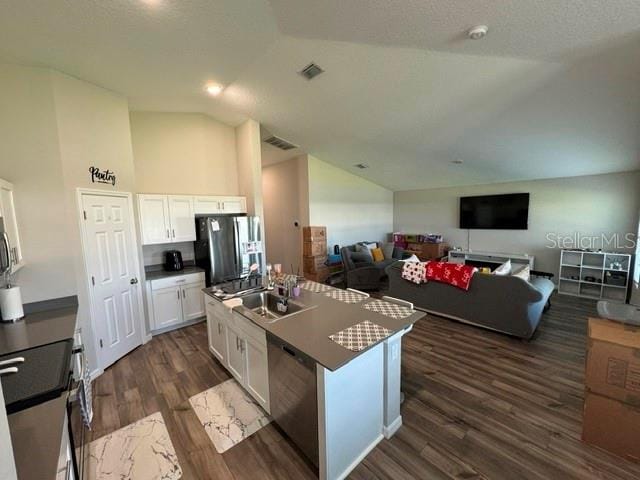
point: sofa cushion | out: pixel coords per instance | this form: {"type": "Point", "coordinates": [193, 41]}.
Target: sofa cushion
{"type": "Point", "coordinates": [361, 257]}
{"type": "Point", "coordinates": [384, 263]}
{"type": "Point", "coordinates": [364, 248]}
{"type": "Point", "coordinates": [387, 250]}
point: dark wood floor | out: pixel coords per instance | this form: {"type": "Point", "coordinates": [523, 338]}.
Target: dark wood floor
{"type": "Point", "coordinates": [478, 405]}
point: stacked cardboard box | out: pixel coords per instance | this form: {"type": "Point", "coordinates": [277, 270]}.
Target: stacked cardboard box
{"type": "Point", "coordinates": [612, 397]}
{"type": "Point", "coordinates": [314, 253]}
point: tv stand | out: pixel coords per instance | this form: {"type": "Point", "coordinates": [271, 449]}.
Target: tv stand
{"type": "Point", "coordinates": [489, 259]}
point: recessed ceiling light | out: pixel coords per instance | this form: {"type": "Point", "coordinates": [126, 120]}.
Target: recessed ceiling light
{"type": "Point", "coordinates": [214, 89]}
{"type": "Point", "coordinates": [478, 32]}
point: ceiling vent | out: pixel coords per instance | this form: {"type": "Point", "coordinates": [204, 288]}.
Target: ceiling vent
{"type": "Point", "coordinates": [361, 166]}
{"type": "Point", "coordinates": [279, 143]}
{"type": "Point", "coordinates": [311, 71]}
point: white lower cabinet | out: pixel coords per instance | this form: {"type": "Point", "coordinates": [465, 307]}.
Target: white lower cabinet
{"type": "Point", "coordinates": [167, 307]}
{"type": "Point", "coordinates": [236, 360]}
{"type": "Point", "coordinates": [175, 300]}
{"type": "Point", "coordinates": [257, 371]}
{"type": "Point", "coordinates": [241, 347]}
{"type": "Point", "coordinates": [217, 330]}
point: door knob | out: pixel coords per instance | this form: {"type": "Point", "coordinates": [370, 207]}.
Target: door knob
{"type": "Point", "coordinates": [133, 281]}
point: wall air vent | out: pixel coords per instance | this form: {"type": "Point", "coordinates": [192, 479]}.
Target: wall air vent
{"type": "Point", "coordinates": [311, 71]}
{"type": "Point", "coordinates": [279, 143]}
{"type": "Point", "coordinates": [361, 166]}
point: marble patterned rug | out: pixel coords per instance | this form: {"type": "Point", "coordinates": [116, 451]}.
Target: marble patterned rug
{"type": "Point", "coordinates": [140, 451]}
{"type": "Point", "coordinates": [228, 414]}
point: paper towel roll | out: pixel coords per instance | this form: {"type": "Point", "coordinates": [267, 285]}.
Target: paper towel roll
{"type": "Point", "coordinates": [11, 304]}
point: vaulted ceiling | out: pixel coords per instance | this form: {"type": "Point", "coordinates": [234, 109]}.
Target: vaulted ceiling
{"type": "Point", "coordinates": [553, 90]}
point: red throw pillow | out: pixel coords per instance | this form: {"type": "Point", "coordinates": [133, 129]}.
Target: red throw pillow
{"type": "Point", "coordinates": [454, 274]}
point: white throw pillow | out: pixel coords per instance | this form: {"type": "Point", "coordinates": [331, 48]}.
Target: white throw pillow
{"type": "Point", "coordinates": [504, 269]}
{"type": "Point", "coordinates": [523, 273]}
{"type": "Point", "coordinates": [412, 258]}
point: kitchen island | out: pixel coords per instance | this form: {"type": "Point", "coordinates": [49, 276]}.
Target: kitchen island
{"type": "Point", "coordinates": [334, 403]}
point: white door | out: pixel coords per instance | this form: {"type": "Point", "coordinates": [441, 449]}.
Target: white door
{"type": "Point", "coordinates": [182, 217]}
{"type": "Point", "coordinates": [167, 307]}
{"type": "Point", "coordinates": [110, 253]}
{"type": "Point", "coordinates": [235, 354]}
{"type": "Point", "coordinates": [154, 219]}
{"type": "Point", "coordinates": [192, 301]}
{"type": "Point", "coordinates": [8, 214]}
{"type": "Point", "coordinates": [257, 376]}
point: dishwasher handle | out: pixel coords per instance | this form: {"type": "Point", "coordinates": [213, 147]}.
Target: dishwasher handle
{"type": "Point", "coordinates": [288, 350]}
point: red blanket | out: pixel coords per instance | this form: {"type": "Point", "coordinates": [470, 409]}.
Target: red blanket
{"type": "Point", "coordinates": [454, 274]}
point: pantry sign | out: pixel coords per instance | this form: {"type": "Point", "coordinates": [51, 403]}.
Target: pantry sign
{"type": "Point", "coordinates": [102, 176]}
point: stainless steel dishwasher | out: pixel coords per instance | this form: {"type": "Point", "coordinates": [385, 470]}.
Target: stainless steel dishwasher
{"type": "Point", "coordinates": [293, 392]}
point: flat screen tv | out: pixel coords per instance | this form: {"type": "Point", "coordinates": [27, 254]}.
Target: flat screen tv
{"type": "Point", "coordinates": [501, 212]}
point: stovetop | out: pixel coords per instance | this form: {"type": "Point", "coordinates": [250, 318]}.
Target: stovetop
{"type": "Point", "coordinates": [42, 376]}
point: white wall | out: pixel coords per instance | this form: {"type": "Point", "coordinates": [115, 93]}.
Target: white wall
{"type": "Point", "coordinates": [52, 129]}
{"type": "Point", "coordinates": [93, 130]}
{"type": "Point", "coordinates": [283, 190]}
{"type": "Point", "coordinates": [30, 159]}
{"type": "Point", "coordinates": [589, 205]}
{"type": "Point", "coordinates": [154, 254]}
{"type": "Point", "coordinates": [353, 209]}
{"type": "Point", "coordinates": [181, 153]}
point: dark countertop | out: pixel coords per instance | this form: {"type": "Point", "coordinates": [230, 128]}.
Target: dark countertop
{"type": "Point", "coordinates": [308, 331]}
{"type": "Point", "coordinates": [36, 432]}
{"type": "Point", "coordinates": [156, 274]}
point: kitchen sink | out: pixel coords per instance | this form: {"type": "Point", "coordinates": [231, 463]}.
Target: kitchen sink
{"type": "Point", "coordinates": [265, 305]}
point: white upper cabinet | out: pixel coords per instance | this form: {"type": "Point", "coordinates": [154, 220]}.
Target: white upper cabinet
{"type": "Point", "coordinates": [233, 204]}
{"type": "Point", "coordinates": [155, 225]}
{"type": "Point", "coordinates": [206, 205]}
{"type": "Point", "coordinates": [8, 214]}
{"type": "Point", "coordinates": [171, 218]}
{"type": "Point", "coordinates": [182, 219]}
{"type": "Point", "coordinates": [212, 205]}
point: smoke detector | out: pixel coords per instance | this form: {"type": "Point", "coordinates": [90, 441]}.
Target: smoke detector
{"type": "Point", "coordinates": [311, 71]}
{"type": "Point", "coordinates": [478, 32]}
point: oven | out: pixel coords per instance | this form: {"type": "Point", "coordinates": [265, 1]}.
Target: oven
{"type": "Point", "coordinates": [73, 453]}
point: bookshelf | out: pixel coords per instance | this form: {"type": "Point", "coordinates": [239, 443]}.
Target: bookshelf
{"type": "Point", "coordinates": [595, 275]}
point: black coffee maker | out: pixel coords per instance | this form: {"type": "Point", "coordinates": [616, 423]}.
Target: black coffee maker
{"type": "Point", "coordinates": [173, 261]}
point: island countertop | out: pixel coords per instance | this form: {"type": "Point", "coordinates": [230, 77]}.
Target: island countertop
{"type": "Point", "coordinates": [308, 330]}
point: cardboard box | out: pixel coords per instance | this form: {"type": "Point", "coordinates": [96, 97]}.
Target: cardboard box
{"type": "Point", "coordinates": [312, 264]}
{"type": "Point", "coordinates": [314, 249]}
{"type": "Point", "coordinates": [320, 276]}
{"type": "Point", "coordinates": [428, 251]}
{"type": "Point", "coordinates": [612, 425]}
{"type": "Point", "coordinates": [613, 361]}
{"type": "Point", "coordinates": [314, 234]}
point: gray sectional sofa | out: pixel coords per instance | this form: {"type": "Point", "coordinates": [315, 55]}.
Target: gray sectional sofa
{"type": "Point", "coordinates": [505, 304]}
{"type": "Point", "coordinates": [365, 275]}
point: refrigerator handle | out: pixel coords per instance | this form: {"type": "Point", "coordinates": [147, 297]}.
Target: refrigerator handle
{"type": "Point", "coordinates": [238, 256]}
{"type": "Point", "coordinates": [7, 247]}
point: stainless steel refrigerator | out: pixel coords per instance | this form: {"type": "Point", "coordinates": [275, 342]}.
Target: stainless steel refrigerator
{"type": "Point", "coordinates": [226, 246]}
